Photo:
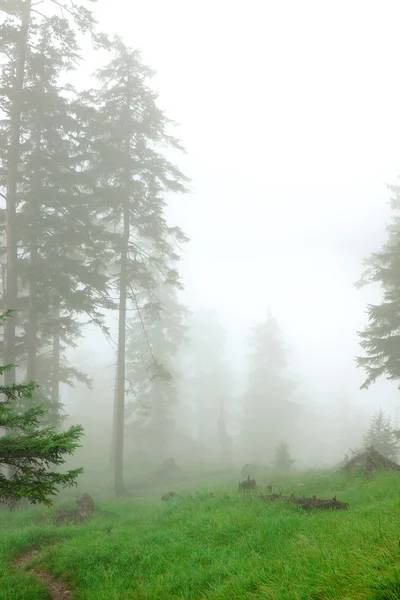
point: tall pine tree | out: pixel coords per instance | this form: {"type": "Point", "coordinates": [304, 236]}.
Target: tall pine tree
{"type": "Point", "coordinates": [20, 18]}
{"type": "Point", "coordinates": [62, 247]}
{"type": "Point", "coordinates": [381, 337]}
{"type": "Point", "coordinates": [132, 176]}
{"type": "Point", "coordinates": [270, 410]}
{"type": "Point", "coordinates": [282, 459]}
{"type": "Point", "coordinates": [381, 436]}
{"type": "Point", "coordinates": [156, 333]}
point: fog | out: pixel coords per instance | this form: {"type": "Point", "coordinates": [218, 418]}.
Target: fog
{"type": "Point", "coordinates": [289, 116]}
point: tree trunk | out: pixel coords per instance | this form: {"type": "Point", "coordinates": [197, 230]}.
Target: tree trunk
{"type": "Point", "coordinates": [113, 433]}
{"type": "Point", "coordinates": [32, 321]}
{"type": "Point", "coordinates": [55, 380]}
{"type": "Point", "coordinates": [11, 203]}
{"type": "Point", "coordinates": [32, 310]}
{"type": "Point", "coordinates": [119, 399]}
{"type": "Point", "coordinates": [161, 425]}
{"type": "Point", "coordinates": [224, 439]}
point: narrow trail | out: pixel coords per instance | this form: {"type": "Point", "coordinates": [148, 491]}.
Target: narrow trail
{"type": "Point", "coordinates": [57, 589]}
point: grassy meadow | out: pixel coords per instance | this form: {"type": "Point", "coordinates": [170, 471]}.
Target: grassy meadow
{"type": "Point", "coordinates": [221, 547]}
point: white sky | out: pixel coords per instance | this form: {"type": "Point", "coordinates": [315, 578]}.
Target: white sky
{"type": "Point", "coordinates": [290, 114]}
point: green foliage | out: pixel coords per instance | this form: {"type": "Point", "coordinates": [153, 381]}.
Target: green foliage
{"type": "Point", "coordinates": [31, 450]}
{"type": "Point", "coordinates": [269, 398]}
{"type": "Point", "coordinates": [381, 338]}
{"type": "Point", "coordinates": [91, 183]}
{"type": "Point", "coordinates": [219, 547]}
{"type": "Point", "coordinates": [125, 129]}
{"type": "Point", "coordinates": [155, 335]}
{"type": "Point", "coordinates": [282, 460]}
{"type": "Point", "coordinates": [62, 247]}
{"type": "Point", "coordinates": [382, 437]}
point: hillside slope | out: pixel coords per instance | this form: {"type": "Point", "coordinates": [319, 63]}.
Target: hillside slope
{"type": "Point", "coordinates": [221, 547]}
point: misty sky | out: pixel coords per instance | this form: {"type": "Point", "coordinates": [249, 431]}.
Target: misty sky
{"type": "Point", "coordinates": [290, 115]}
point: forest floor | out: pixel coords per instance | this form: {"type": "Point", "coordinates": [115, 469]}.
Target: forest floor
{"type": "Point", "coordinates": [222, 547]}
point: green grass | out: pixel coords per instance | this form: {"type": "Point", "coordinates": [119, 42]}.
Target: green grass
{"type": "Point", "coordinates": [221, 547]}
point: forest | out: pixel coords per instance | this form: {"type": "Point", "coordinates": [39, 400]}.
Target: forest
{"type": "Point", "coordinates": [212, 431]}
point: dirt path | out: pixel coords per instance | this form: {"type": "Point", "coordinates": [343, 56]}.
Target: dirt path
{"type": "Point", "coordinates": [57, 589]}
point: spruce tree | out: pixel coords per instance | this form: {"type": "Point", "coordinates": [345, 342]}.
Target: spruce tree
{"type": "Point", "coordinates": [131, 178]}
{"type": "Point", "coordinates": [16, 48]}
{"type": "Point", "coordinates": [62, 247]}
{"type": "Point", "coordinates": [155, 335]}
{"type": "Point", "coordinates": [270, 410]}
{"type": "Point", "coordinates": [381, 337]}
{"type": "Point", "coordinates": [282, 459]}
{"type": "Point", "coordinates": [382, 437]}
{"type": "Point", "coordinates": [29, 450]}
{"type": "Point", "coordinates": [65, 245]}
{"type": "Point", "coordinates": [21, 17]}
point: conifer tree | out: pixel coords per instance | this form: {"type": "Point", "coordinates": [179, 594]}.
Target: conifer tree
{"type": "Point", "coordinates": [270, 410]}
{"type": "Point", "coordinates": [16, 47]}
{"type": "Point", "coordinates": [282, 459]}
{"type": "Point", "coordinates": [65, 245]}
{"type": "Point", "coordinates": [30, 450]}
{"type": "Point", "coordinates": [62, 247]}
{"type": "Point", "coordinates": [381, 337]}
{"type": "Point", "coordinates": [132, 177]}
{"type": "Point", "coordinates": [155, 335]}
{"type": "Point", "coordinates": [21, 19]}
{"type": "Point", "coordinates": [382, 437]}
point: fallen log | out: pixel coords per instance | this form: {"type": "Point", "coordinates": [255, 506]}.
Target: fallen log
{"type": "Point", "coordinates": [312, 503]}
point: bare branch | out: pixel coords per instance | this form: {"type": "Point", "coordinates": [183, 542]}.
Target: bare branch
{"type": "Point", "coordinates": [132, 390]}
{"type": "Point", "coordinates": [142, 324]}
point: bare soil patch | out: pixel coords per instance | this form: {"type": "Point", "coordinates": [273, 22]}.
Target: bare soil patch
{"type": "Point", "coordinates": [57, 589]}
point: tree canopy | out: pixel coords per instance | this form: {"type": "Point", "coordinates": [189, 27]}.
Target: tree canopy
{"type": "Point", "coordinates": [380, 339]}
{"type": "Point", "coordinates": [269, 395]}
{"type": "Point", "coordinates": [30, 452]}
{"type": "Point", "coordinates": [382, 437]}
